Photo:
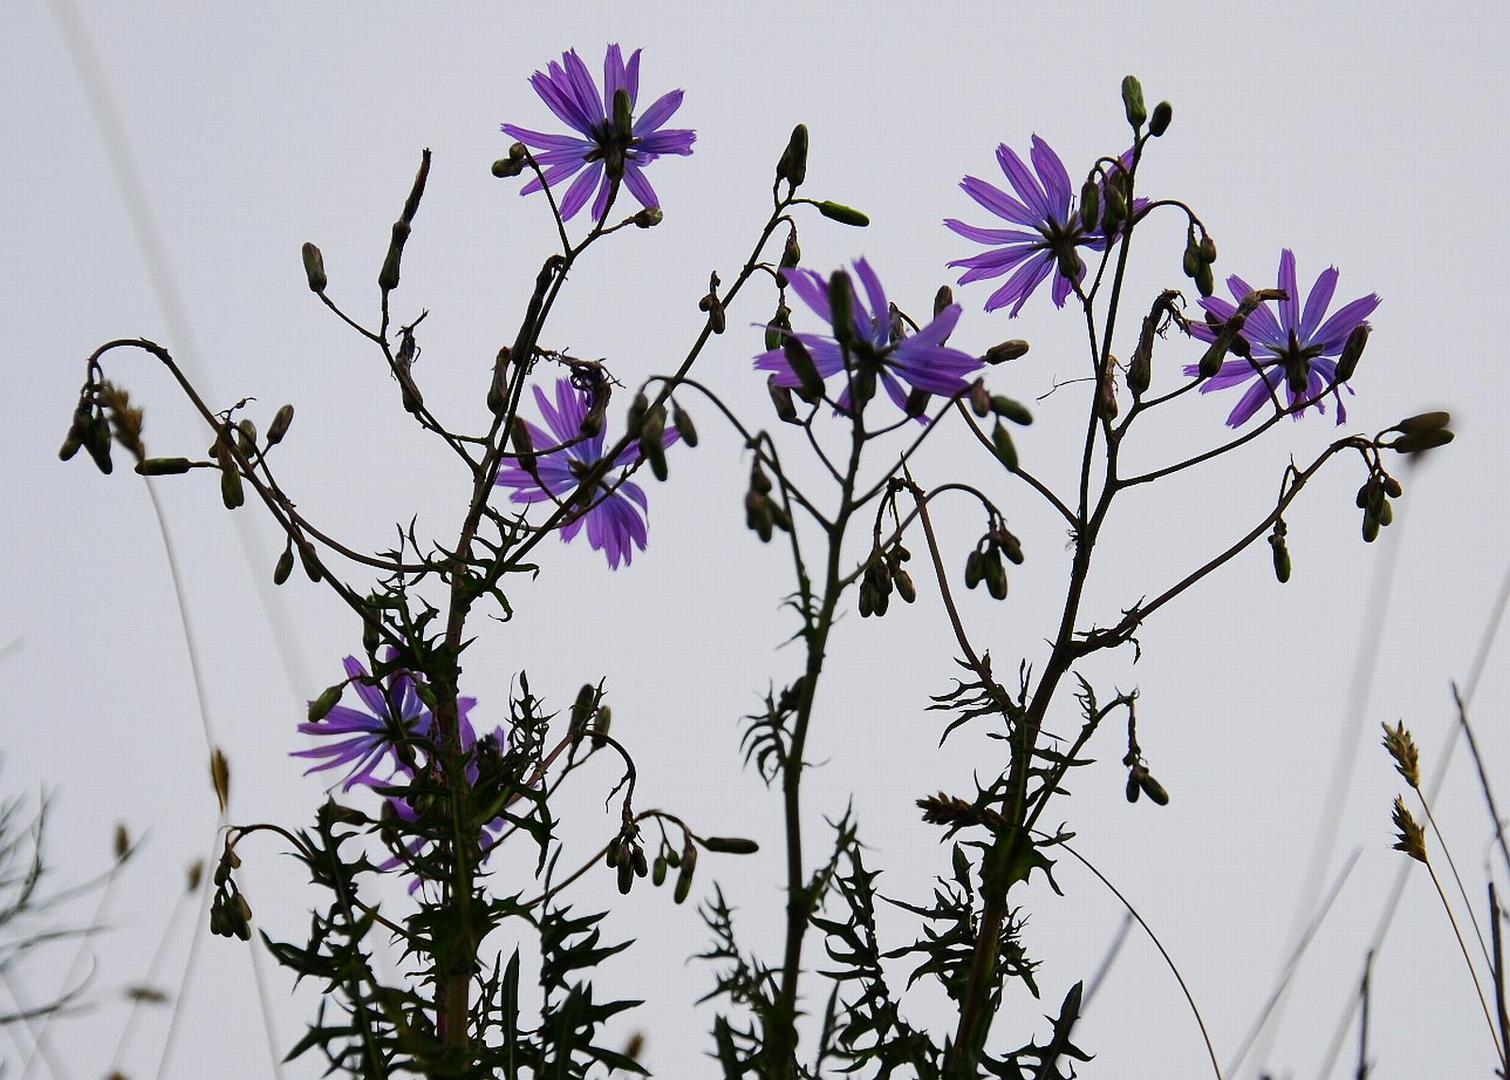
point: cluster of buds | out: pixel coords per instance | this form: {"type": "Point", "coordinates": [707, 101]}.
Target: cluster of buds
{"type": "Point", "coordinates": [1200, 254]}
{"type": "Point", "coordinates": [626, 856]}
{"type": "Point", "coordinates": [230, 914]}
{"type": "Point", "coordinates": [1281, 552]}
{"type": "Point", "coordinates": [590, 715]}
{"type": "Point", "coordinates": [649, 425]}
{"type": "Point", "coordinates": [1374, 500]}
{"type": "Point", "coordinates": [1137, 112]}
{"type": "Point", "coordinates": [764, 514]}
{"type": "Point", "coordinates": [984, 563]}
{"type": "Point", "coordinates": [1141, 782]}
{"type": "Point", "coordinates": [90, 428]}
{"type": "Point", "coordinates": [1417, 434]}
{"type": "Point", "coordinates": [883, 575]}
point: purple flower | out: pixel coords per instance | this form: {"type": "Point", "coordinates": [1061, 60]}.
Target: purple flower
{"type": "Point", "coordinates": [615, 519]}
{"type": "Point", "coordinates": [922, 361]}
{"type": "Point", "coordinates": [569, 90]}
{"type": "Point", "coordinates": [369, 739]}
{"type": "Point", "coordinates": [1049, 227]}
{"type": "Point", "coordinates": [1303, 341]}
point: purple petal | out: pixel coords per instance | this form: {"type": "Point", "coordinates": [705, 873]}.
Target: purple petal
{"type": "Point", "coordinates": [1289, 308]}
{"type": "Point", "coordinates": [1333, 333]}
{"type": "Point", "coordinates": [812, 290]}
{"type": "Point", "coordinates": [639, 187]}
{"type": "Point", "coordinates": [1020, 285]}
{"type": "Point", "coordinates": [992, 236]}
{"type": "Point", "coordinates": [660, 110]}
{"type": "Point", "coordinates": [583, 89]}
{"type": "Point", "coordinates": [990, 264]}
{"type": "Point", "coordinates": [1254, 399]}
{"type": "Point", "coordinates": [542, 141]}
{"type": "Point", "coordinates": [998, 202]}
{"type": "Point", "coordinates": [669, 141]}
{"type": "Point", "coordinates": [1023, 181]}
{"type": "Point", "coordinates": [879, 330]}
{"type": "Point", "coordinates": [581, 189]}
{"type": "Point", "coordinates": [1317, 303]}
{"type": "Point", "coordinates": [1056, 181]}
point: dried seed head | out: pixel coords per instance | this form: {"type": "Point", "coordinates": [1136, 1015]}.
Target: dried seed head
{"type": "Point", "coordinates": [1410, 837]}
{"type": "Point", "coordinates": [1402, 748]}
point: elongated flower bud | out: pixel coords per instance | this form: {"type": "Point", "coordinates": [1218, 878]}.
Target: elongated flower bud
{"type": "Point", "coordinates": [792, 167]}
{"type": "Point", "coordinates": [285, 566]}
{"type": "Point", "coordinates": [1006, 350]}
{"type": "Point", "coordinates": [320, 707]}
{"type": "Point", "coordinates": [1090, 205]}
{"type": "Point", "coordinates": [1009, 409]}
{"type": "Point", "coordinates": [163, 466]}
{"type": "Point", "coordinates": [942, 299]}
{"type": "Point", "coordinates": [841, 300]}
{"type": "Point", "coordinates": [810, 382]}
{"type": "Point", "coordinates": [781, 399]}
{"type": "Point", "coordinates": [279, 427]}
{"type": "Point", "coordinates": [1347, 363]}
{"type": "Point", "coordinates": [1132, 102]}
{"type": "Point", "coordinates": [730, 845]}
{"type": "Point", "coordinates": [682, 421]}
{"type": "Point", "coordinates": [1001, 442]}
{"type": "Point", "coordinates": [314, 268]}
{"type": "Point", "coordinates": [844, 215]}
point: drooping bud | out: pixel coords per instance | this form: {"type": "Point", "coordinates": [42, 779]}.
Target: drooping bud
{"type": "Point", "coordinates": [320, 707]}
{"type": "Point", "coordinates": [649, 217]}
{"type": "Point", "coordinates": [523, 444]}
{"type": "Point", "coordinates": [285, 566]}
{"type": "Point", "coordinates": [791, 251]}
{"type": "Point", "coordinates": [1158, 123]}
{"type": "Point", "coordinates": [1132, 102]}
{"type": "Point", "coordinates": [314, 268]}
{"type": "Point", "coordinates": [809, 381]}
{"type": "Point", "coordinates": [682, 421]}
{"type": "Point", "coordinates": [781, 399]}
{"type": "Point", "coordinates": [1006, 350]}
{"type": "Point", "coordinates": [658, 871]}
{"type": "Point", "coordinates": [980, 399]}
{"type": "Point", "coordinates": [246, 437]}
{"type": "Point", "coordinates": [684, 874]}
{"type": "Point", "coordinates": [1090, 204]}
{"type": "Point", "coordinates": [279, 427]}
{"type": "Point", "coordinates": [309, 559]}
{"type": "Point", "coordinates": [975, 568]}
{"type": "Point", "coordinates": [653, 442]}
{"type": "Point", "coordinates": [1009, 409]}
{"type": "Point", "coordinates": [1001, 442]}
{"type": "Point", "coordinates": [1153, 789]}
{"type": "Point", "coordinates": [792, 167]}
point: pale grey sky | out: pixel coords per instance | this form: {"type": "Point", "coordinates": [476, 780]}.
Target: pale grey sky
{"type": "Point", "coordinates": [1364, 135]}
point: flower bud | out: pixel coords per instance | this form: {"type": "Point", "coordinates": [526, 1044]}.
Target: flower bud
{"type": "Point", "coordinates": [285, 566]}
{"type": "Point", "coordinates": [231, 492]}
{"type": "Point", "coordinates": [996, 575]}
{"type": "Point", "coordinates": [1008, 409]}
{"type": "Point", "coordinates": [388, 276]}
{"type": "Point", "coordinates": [1133, 787]}
{"type": "Point", "coordinates": [279, 427]}
{"type": "Point", "coordinates": [975, 569]}
{"type": "Point", "coordinates": [1090, 204]}
{"type": "Point", "coordinates": [602, 721]}
{"type": "Point", "coordinates": [1424, 423]}
{"type": "Point", "coordinates": [649, 217]}
{"type": "Point", "coordinates": [314, 268]}
{"type": "Point", "coordinates": [791, 251]}
{"type": "Point", "coordinates": [841, 300]}
{"type": "Point", "coordinates": [1132, 102]}
{"type": "Point", "coordinates": [1205, 281]}
{"type": "Point", "coordinates": [1281, 559]}
{"type": "Point", "coordinates": [905, 588]}
{"type": "Point", "coordinates": [980, 399]}
{"type": "Point", "coordinates": [942, 299]}
{"type": "Point", "coordinates": [309, 559]}
{"type": "Point", "coordinates": [683, 424]}
{"type": "Point", "coordinates": [1153, 789]}
{"type": "Point", "coordinates": [792, 167]}
{"type": "Point", "coordinates": [1158, 123]}
{"type": "Point", "coordinates": [626, 878]}
{"type": "Point", "coordinates": [246, 437]}
{"type": "Point", "coordinates": [163, 466]}
{"type": "Point", "coordinates": [730, 845]}
{"type": "Point", "coordinates": [844, 215]}
{"type": "Point", "coordinates": [1006, 350]}
{"type": "Point", "coordinates": [781, 399]}
{"type": "Point", "coordinates": [1001, 442]}
{"type": "Point", "coordinates": [658, 871]}
{"type": "Point", "coordinates": [96, 438]}
{"type": "Point", "coordinates": [523, 444]}
{"type": "Point", "coordinates": [320, 707]}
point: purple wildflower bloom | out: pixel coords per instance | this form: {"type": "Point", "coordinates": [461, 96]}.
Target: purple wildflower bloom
{"type": "Point", "coordinates": [615, 521]}
{"type": "Point", "coordinates": [1049, 225]}
{"type": "Point", "coordinates": [1299, 338]}
{"type": "Point", "coordinates": [569, 90]}
{"type": "Point", "coordinates": [368, 739]}
{"type": "Point", "coordinates": [922, 361]}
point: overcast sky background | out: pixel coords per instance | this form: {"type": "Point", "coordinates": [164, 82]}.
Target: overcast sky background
{"type": "Point", "coordinates": [1365, 135]}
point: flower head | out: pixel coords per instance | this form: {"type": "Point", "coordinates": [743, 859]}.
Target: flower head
{"type": "Point", "coordinates": [1298, 350]}
{"type": "Point", "coordinates": [606, 148]}
{"type": "Point", "coordinates": [369, 740]}
{"type": "Point", "coordinates": [615, 516]}
{"type": "Point", "coordinates": [1048, 231]}
{"type": "Point", "coordinates": [923, 362]}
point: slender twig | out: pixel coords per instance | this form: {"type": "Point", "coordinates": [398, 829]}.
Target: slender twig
{"type": "Point", "coordinates": [1113, 950]}
{"type": "Point", "coordinates": [1484, 786]}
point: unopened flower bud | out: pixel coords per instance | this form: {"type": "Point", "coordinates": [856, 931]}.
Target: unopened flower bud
{"type": "Point", "coordinates": [1158, 122]}
{"type": "Point", "coordinates": [309, 559]}
{"type": "Point", "coordinates": [649, 217]}
{"type": "Point", "coordinates": [314, 268]}
{"type": "Point", "coordinates": [1153, 789]}
{"type": "Point", "coordinates": [975, 569]}
{"type": "Point", "coordinates": [1001, 442]}
{"type": "Point", "coordinates": [1132, 102]}
{"type": "Point", "coordinates": [163, 466]}
{"type": "Point", "coordinates": [730, 845]}
{"type": "Point", "coordinates": [841, 300]}
{"type": "Point", "coordinates": [791, 251]}
{"type": "Point", "coordinates": [1009, 409]}
{"type": "Point", "coordinates": [1006, 350]}
{"type": "Point", "coordinates": [844, 215]}
{"type": "Point", "coordinates": [980, 399]}
{"type": "Point", "coordinates": [285, 566]}
{"type": "Point", "coordinates": [626, 878]}
{"type": "Point", "coordinates": [523, 444]}
{"type": "Point", "coordinates": [682, 421]}
{"type": "Point", "coordinates": [320, 707]}
{"type": "Point", "coordinates": [1090, 204]}
{"type": "Point", "coordinates": [1134, 789]}
{"type": "Point", "coordinates": [781, 399]}
{"type": "Point", "coordinates": [942, 299]}
{"type": "Point", "coordinates": [792, 166]}
{"type": "Point", "coordinates": [279, 427]}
